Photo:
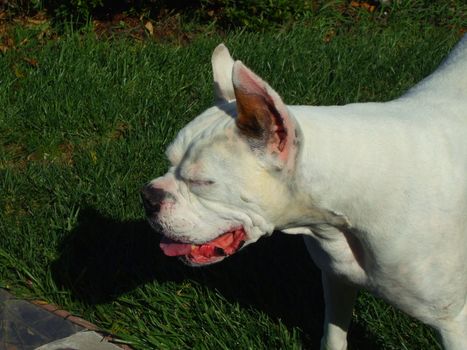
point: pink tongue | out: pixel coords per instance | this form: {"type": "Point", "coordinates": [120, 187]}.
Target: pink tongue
{"type": "Point", "coordinates": [228, 242]}
{"type": "Point", "coordinates": [173, 248]}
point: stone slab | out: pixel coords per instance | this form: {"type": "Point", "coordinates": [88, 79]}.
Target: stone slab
{"type": "Point", "coordinates": [24, 326]}
{"type": "Point", "coordinates": [84, 340]}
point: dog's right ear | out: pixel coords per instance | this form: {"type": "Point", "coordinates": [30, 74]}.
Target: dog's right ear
{"type": "Point", "coordinates": [222, 65]}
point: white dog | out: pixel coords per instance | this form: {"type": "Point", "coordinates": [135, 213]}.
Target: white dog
{"type": "Point", "coordinates": [378, 189]}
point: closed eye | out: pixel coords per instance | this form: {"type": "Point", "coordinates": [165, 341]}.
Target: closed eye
{"type": "Point", "coordinates": [193, 182]}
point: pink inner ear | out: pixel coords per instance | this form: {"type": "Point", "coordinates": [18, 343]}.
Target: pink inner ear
{"type": "Point", "coordinates": [278, 128]}
{"type": "Point", "coordinates": [249, 83]}
{"type": "Point", "coordinates": [257, 96]}
{"type": "Point", "coordinates": [246, 80]}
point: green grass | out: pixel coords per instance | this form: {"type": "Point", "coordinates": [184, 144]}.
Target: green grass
{"type": "Point", "coordinates": [85, 127]}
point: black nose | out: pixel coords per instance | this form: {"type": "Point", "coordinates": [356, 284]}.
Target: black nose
{"type": "Point", "coordinates": [152, 198]}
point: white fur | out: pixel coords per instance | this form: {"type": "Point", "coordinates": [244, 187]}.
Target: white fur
{"type": "Point", "coordinates": [223, 89]}
{"type": "Point", "coordinates": [379, 190]}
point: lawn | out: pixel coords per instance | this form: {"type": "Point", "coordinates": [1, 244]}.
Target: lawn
{"type": "Point", "coordinates": [83, 125]}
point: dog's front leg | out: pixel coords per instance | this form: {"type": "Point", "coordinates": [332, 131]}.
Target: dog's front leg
{"type": "Point", "coordinates": [339, 299]}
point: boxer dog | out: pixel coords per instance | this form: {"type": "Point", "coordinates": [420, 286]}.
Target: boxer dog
{"type": "Point", "coordinates": [379, 191]}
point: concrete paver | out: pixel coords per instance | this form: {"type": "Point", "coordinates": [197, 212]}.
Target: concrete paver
{"type": "Point", "coordinates": [84, 340]}
{"type": "Point", "coordinates": [26, 326]}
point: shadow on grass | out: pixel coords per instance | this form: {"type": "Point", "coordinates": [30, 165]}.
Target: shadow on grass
{"type": "Point", "coordinates": [103, 258]}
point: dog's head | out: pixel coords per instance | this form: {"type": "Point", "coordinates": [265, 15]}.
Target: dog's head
{"type": "Point", "coordinates": [231, 174]}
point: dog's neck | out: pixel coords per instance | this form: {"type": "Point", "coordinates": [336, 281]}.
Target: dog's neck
{"type": "Point", "coordinates": [349, 152]}
{"type": "Point", "coordinates": [371, 162]}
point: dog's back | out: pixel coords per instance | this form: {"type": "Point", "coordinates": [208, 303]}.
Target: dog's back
{"type": "Point", "coordinates": [449, 81]}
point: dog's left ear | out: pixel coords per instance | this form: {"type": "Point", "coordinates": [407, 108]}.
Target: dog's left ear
{"type": "Point", "coordinates": [263, 117]}
{"type": "Point", "coordinates": [222, 65]}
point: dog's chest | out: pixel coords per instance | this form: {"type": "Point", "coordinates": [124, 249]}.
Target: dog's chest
{"type": "Point", "coordinates": [338, 253]}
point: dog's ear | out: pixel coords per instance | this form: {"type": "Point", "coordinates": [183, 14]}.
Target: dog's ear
{"type": "Point", "coordinates": [222, 65]}
{"type": "Point", "coordinates": [262, 116]}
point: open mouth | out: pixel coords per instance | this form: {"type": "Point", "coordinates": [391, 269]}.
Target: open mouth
{"type": "Point", "coordinates": [206, 253]}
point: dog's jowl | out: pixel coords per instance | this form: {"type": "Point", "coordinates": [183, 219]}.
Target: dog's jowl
{"type": "Point", "coordinates": [379, 191]}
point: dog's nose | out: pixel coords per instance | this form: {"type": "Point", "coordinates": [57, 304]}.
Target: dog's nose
{"type": "Point", "coordinates": [152, 198]}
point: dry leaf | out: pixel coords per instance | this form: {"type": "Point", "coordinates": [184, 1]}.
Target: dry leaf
{"type": "Point", "coordinates": [18, 72]}
{"type": "Point", "coordinates": [120, 131]}
{"type": "Point", "coordinates": [93, 157]}
{"type": "Point", "coordinates": [41, 35]}
{"type": "Point", "coordinates": [149, 27]}
{"type": "Point", "coordinates": [36, 22]}
{"type": "Point", "coordinates": [368, 6]}
{"type": "Point", "coordinates": [9, 42]}
{"type": "Point", "coordinates": [329, 36]}
{"type": "Point", "coordinates": [32, 61]}
{"type": "Point", "coordinates": [364, 5]}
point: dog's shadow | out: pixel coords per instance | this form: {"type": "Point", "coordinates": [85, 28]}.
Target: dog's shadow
{"type": "Point", "coordinates": [103, 258]}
